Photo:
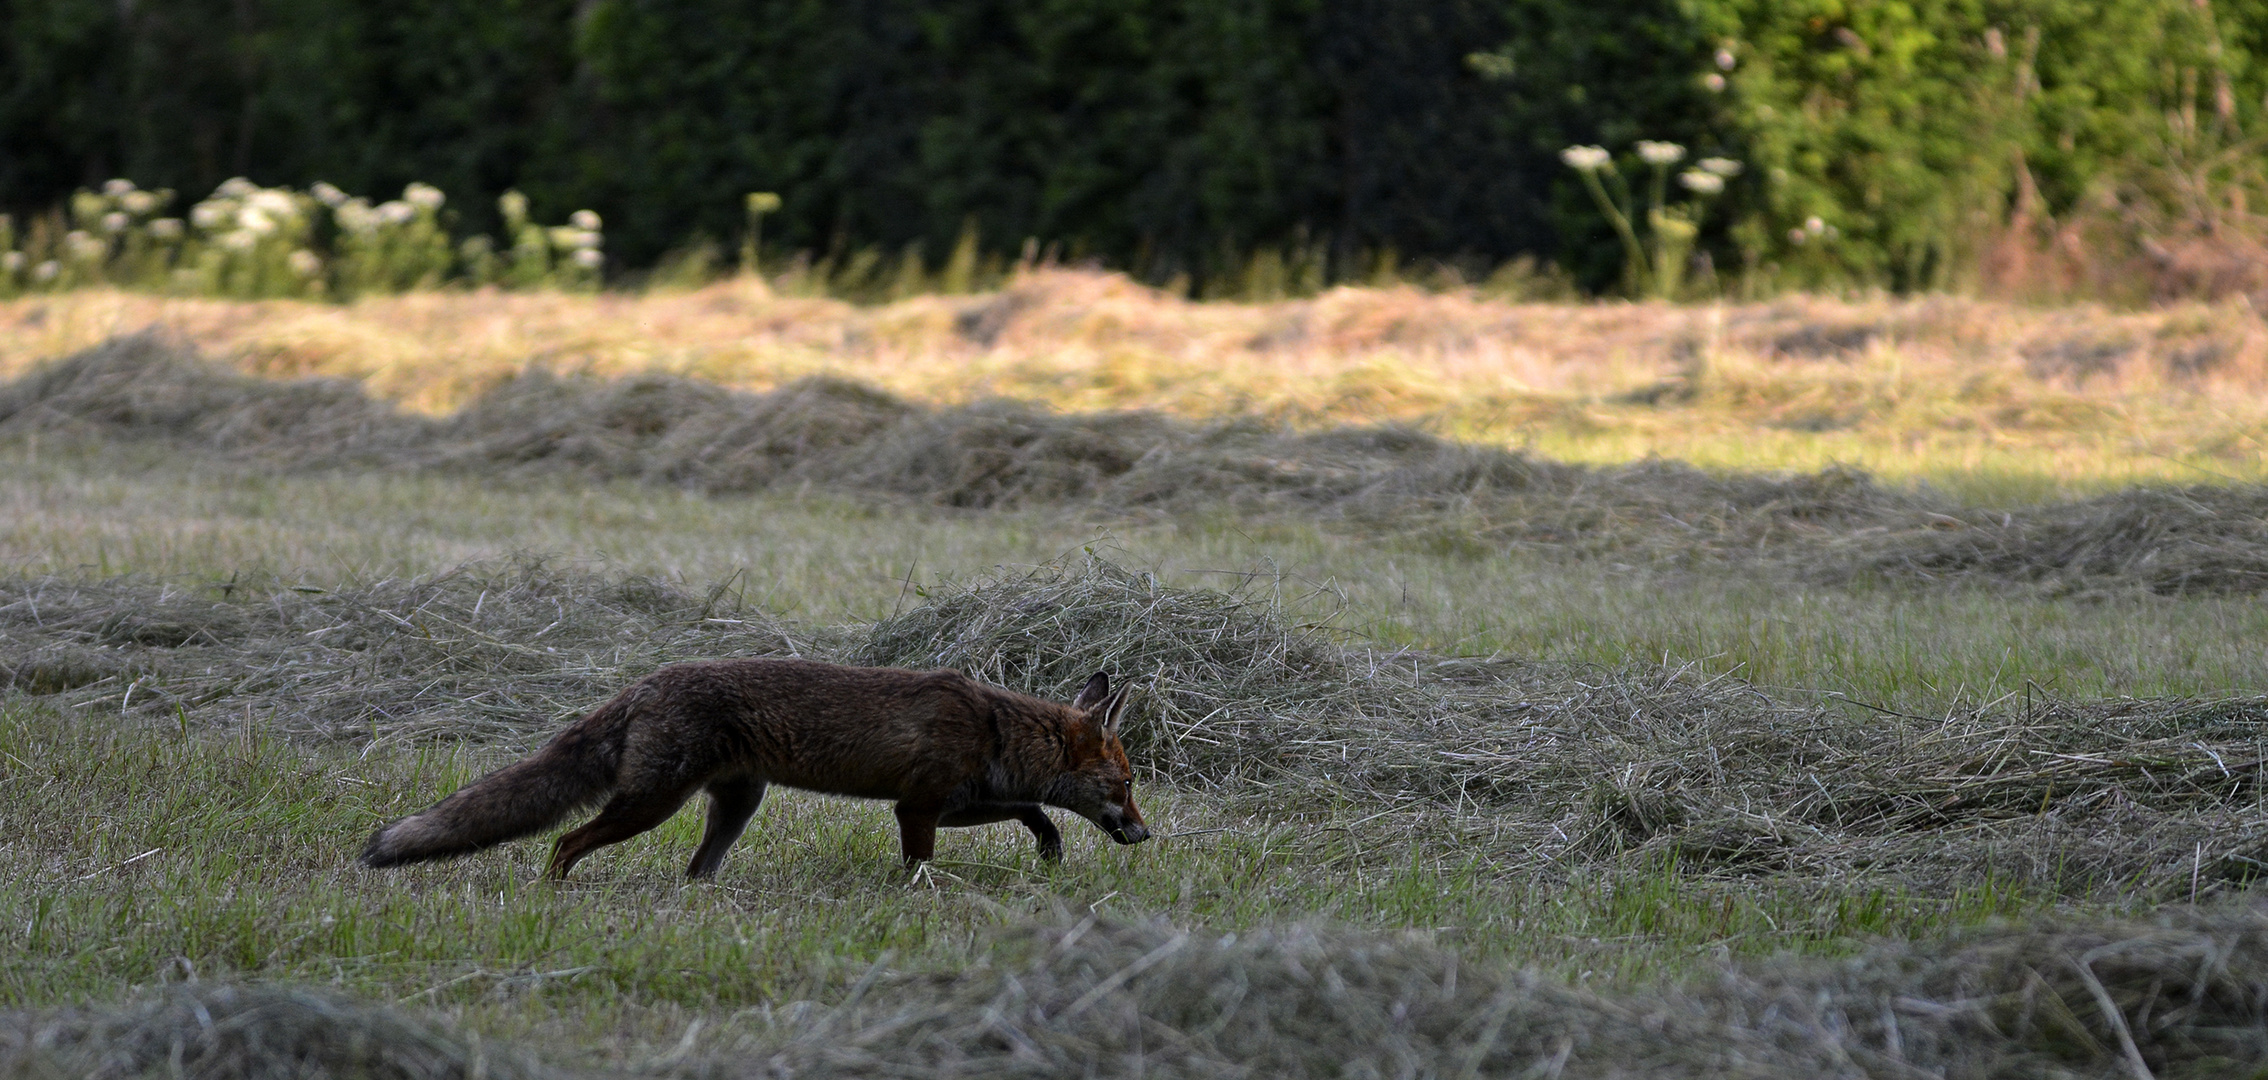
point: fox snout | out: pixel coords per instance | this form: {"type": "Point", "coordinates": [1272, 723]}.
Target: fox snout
{"type": "Point", "coordinates": [1132, 832]}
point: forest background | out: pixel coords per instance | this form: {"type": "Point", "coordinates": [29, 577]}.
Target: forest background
{"type": "Point", "coordinates": [2041, 149]}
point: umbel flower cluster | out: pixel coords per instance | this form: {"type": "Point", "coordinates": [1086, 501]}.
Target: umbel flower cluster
{"type": "Point", "coordinates": [249, 241]}
{"type": "Point", "coordinates": [1656, 264]}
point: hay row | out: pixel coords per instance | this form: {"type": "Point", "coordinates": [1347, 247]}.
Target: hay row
{"type": "Point", "coordinates": [1833, 526]}
{"type": "Point", "coordinates": [1550, 767]}
{"type": "Point", "coordinates": [2185, 995]}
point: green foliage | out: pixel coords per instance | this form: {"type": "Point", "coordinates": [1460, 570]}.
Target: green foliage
{"type": "Point", "coordinates": [1917, 129]}
{"type": "Point", "coordinates": [1216, 143]}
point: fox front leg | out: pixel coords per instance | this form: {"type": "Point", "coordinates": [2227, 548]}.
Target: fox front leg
{"type": "Point", "coordinates": [917, 834]}
{"type": "Point", "coordinates": [1034, 818]}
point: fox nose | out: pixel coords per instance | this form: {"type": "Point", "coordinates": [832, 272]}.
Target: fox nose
{"type": "Point", "coordinates": [1131, 833]}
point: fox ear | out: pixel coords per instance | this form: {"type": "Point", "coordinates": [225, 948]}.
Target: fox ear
{"type": "Point", "coordinates": [1112, 711]}
{"type": "Point", "coordinates": [1096, 690]}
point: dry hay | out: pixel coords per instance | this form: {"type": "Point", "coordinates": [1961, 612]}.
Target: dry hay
{"type": "Point", "coordinates": [2166, 540]}
{"type": "Point", "coordinates": [1833, 526]}
{"type": "Point", "coordinates": [495, 652]}
{"type": "Point", "coordinates": [1545, 769]}
{"type": "Point", "coordinates": [205, 1031]}
{"type": "Point", "coordinates": [1555, 765]}
{"type": "Point", "coordinates": [2184, 995]}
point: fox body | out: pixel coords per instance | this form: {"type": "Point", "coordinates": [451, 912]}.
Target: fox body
{"type": "Point", "coordinates": [948, 750]}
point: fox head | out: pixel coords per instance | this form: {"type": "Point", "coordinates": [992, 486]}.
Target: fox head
{"type": "Point", "coordinates": [1097, 780]}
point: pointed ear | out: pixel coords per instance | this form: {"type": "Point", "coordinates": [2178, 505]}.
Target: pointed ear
{"type": "Point", "coordinates": [1096, 690]}
{"type": "Point", "coordinates": [1112, 711]}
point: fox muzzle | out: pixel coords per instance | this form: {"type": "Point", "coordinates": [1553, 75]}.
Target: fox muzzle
{"type": "Point", "coordinates": [1133, 832]}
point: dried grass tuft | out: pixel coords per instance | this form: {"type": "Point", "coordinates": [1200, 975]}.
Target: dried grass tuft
{"type": "Point", "coordinates": [487, 652]}
{"type": "Point", "coordinates": [2185, 994]}
{"type": "Point", "coordinates": [206, 1031]}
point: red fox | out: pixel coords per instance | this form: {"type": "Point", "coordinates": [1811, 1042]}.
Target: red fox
{"type": "Point", "coordinates": [950, 751]}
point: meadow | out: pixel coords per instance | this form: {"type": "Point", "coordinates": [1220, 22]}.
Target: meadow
{"type": "Point", "coordinates": [1910, 726]}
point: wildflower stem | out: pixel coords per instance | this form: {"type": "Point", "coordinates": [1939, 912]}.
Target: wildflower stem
{"type": "Point", "coordinates": [1637, 251]}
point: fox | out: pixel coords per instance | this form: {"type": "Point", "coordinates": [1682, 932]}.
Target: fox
{"type": "Point", "coordinates": [948, 750]}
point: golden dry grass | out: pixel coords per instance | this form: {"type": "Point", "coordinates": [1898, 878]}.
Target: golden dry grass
{"type": "Point", "coordinates": [1998, 400]}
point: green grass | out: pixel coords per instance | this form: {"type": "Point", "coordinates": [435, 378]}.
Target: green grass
{"type": "Point", "coordinates": [151, 855]}
{"type": "Point", "coordinates": [823, 559]}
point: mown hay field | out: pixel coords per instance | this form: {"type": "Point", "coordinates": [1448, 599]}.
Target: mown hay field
{"type": "Point", "coordinates": [1997, 400]}
{"type": "Point", "coordinates": [1466, 758]}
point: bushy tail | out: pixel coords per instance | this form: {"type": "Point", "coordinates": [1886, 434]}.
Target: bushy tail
{"type": "Point", "coordinates": [575, 769]}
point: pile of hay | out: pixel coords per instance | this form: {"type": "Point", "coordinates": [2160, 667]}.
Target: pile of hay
{"type": "Point", "coordinates": [500, 653]}
{"type": "Point", "coordinates": [1562, 764]}
{"type": "Point", "coordinates": [205, 1031]}
{"type": "Point", "coordinates": [1832, 526]}
{"type": "Point", "coordinates": [2185, 995]}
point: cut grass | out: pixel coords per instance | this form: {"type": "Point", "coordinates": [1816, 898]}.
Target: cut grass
{"type": "Point", "coordinates": [113, 509]}
{"type": "Point", "coordinates": [1994, 403]}
{"type": "Point", "coordinates": [161, 849]}
{"type": "Point", "coordinates": [158, 855]}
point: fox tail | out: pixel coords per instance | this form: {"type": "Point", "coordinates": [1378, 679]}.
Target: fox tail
{"type": "Point", "coordinates": [575, 769]}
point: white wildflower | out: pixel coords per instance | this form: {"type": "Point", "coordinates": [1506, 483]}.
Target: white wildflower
{"type": "Point", "coordinates": [47, 271]}
{"type": "Point", "coordinates": [589, 259]}
{"type": "Point", "coordinates": [115, 188]}
{"type": "Point", "coordinates": [212, 213]}
{"type": "Point", "coordinates": [396, 212]}
{"type": "Point", "coordinates": [1725, 59]}
{"type": "Point", "coordinates": [1725, 167]}
{"type": "Point", "coordinates": [235, 187]}
{"type": "Point", "coordinates": [139, 203]}
{"type": "Point", "coordinates": [355, 216]}
{"type": "Point", "coordinates": [116, 221]}
{"type": "Point", "coordinates": [586, 220]}
{"type": "Point", "coordinates": [251, 220]}
{"type": "Point", "coordinates": [1659, 154]}
{"type": "Point", "coordinates": [84, 246]}
{"type": "Point", "coordinates": [275, 203]}
{"type": "Point", "coordinates": [1814, 225]}
{"type": "Point", "coordinates": [1701, 183]}
{"type": "Point", "coordinates": [763, 202]}
{"type": "Point", "coordinates": [305, 263]}
{"type": "Point", "coordinates": [11, 262]}
{"type": "Point", "coordinates": [513, 205]}
{"type": "Point", "coordinates": [327, 194]}
{"type": "Point", "coordinates": [423, 196]}
{"type": "Point", "coordinates": [1714, 81]}
{"type": "Point", "coordinates": [1585, 158]}
{"type": "Point", "coordinates": [166, 228]}
{"type": "Point", "coordinates": [1798, 236]}
{"type": "Point", "coordinates": [240, 240]}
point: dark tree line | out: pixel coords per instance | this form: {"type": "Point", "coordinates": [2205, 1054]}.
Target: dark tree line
{"type": "Point", "coordinates": [1162, 136]}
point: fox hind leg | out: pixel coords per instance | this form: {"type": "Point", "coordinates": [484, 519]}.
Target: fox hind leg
{"type": "Point", "coordinates": [624, 816]}
{"type": "Point", "coordinates": [731, 803]}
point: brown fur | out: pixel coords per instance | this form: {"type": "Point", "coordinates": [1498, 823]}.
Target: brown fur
{"type": "Point", "coordinates": [948, 750]}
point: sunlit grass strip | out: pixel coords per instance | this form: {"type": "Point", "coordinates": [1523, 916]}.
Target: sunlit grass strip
{"type": "Point", "coordinates": [1995, 402]}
